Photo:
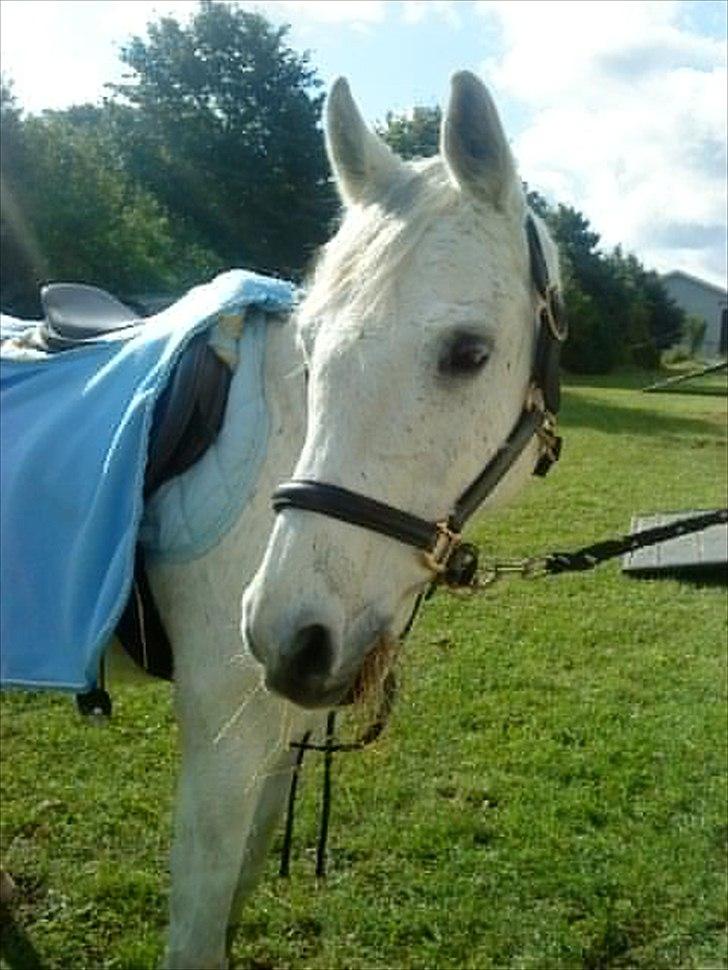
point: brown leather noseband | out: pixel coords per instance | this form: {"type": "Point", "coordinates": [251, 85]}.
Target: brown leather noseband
{"type": "Point", "coordinates": [450, 559]}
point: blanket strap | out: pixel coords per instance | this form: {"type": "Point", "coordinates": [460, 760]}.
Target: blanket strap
{"type": "Point", "coordinates": [96, 703]}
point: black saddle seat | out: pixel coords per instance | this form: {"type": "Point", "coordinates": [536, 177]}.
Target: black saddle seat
{"type": "Point", "coordinates": [190, 411]}
{"type": "Point", "coordinates": [76, 313]}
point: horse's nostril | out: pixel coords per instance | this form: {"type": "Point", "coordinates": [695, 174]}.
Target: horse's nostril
{"type": "Point", "coordinates": [301, 670]}
{"type": "Point", "coordinates": [312, 650]}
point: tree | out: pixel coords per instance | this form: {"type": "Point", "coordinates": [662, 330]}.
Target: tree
{"type": "Point", "coordinates": [17, 240]}
{"type": "Point", "coordinates": [665, 321]}
{"type": "Point", "coordinates": [619, 312]}
{"type": "Point", "coordinates": [590, 347]}
{"type": "Point", "coordinates": [415, 134]}
{"type": "Point", "coordinates": [71, 212]}
{"type": "Point", "coordinates": [220, 122]}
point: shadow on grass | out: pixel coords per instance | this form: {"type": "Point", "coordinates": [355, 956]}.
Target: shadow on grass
{"type": "Point", "coordinates": [579, 411]}
{"type": "Point", "coordinates": [700, 578]}
{"type": "Point", "coordinates": [16, 947]}
{"type": "Point", "coordinates": [708, 391]}
{"type": "Point", "coordinates": [629, 379]}
{"type": "Point", "coordinates": [625, 379]}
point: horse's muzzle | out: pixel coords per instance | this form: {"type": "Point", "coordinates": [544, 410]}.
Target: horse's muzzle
{"type": "Point", "coordinates": [301, 671]}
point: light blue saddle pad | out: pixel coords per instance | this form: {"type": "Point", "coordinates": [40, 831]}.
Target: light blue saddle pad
{"type": "Point", "coordinates": [74, 432]}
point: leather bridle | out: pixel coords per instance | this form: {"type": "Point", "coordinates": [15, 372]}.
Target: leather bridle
{"type": "Point", "coordinates": [451, 560]}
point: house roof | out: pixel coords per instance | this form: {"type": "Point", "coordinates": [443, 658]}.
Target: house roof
{"type": "Point", "coordinates": [696, 279]}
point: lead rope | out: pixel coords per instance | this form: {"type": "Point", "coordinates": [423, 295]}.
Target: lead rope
{"type": "Point", "coordinates": [329, 748]}
{"type": "Point", "coordinates": [588, 557]}
{"type": "Point", "coordinates": [285, 867]}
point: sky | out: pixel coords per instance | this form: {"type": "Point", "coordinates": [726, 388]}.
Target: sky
{"type": "Point", "coordinates": [616, 107]}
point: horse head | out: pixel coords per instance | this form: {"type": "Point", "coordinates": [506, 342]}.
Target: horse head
{"type": "Point", "coordinates": [419, 331]}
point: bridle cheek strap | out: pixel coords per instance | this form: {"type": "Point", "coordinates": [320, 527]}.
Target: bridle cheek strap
{"type": "Point", "coordinates": [449, 559]}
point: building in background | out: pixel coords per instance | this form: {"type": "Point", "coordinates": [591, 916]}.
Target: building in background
{"type": "Point", "coordinates": [701, 299]}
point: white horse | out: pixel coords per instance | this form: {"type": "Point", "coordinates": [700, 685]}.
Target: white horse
{"type": "Point", "coordinates": [417, 336]}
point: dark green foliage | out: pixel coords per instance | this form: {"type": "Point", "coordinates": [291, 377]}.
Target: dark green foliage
{"type": "Point", "coordinates": [619, 312]}
{"type": "Point", "coordinates": [646, 356]}
{"type": "Point", "coordinates": [590, 348]}
{"type": "Point", "coordinates": [71, 212]}
{"type": "Point", "coordinates": [652, 314]}
{"type": "Point", "coordinates": [413, 135]}
{"type": "Point", "coordinates": [17, 263]}
{"type": "Point", "coordinates": [220, 122]}
{"type": "Point", "coordinates": [211, 155]}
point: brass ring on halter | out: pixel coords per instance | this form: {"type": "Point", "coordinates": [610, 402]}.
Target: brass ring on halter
{"type": "Point", "coordinates": [437, 557]}
{"type": "Point", "coordinates": [552, 309]}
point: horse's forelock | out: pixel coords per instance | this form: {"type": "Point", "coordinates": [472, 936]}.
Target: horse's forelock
{"type": "Point", "coordinates": [358, 266]}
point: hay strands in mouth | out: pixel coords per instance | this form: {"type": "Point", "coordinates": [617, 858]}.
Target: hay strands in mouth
{"type": "Point", "coordinates": [375, 691]}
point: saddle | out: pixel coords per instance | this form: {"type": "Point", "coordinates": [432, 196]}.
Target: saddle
{"type": "Point", "coordinates": [187, 420]}
{"type": "Point", "coordinates": [189, 414]}
{"type": "Point", "coordinates": [103, 410]}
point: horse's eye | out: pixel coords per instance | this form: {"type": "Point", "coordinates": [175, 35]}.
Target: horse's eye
{"type": "Point", "coordinates": [466, 354]}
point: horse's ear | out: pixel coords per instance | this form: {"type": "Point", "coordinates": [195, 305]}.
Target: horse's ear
{"type": "Point", "coordinates": [365, 168]}
{"type": "Point", "coordinates": [473, 143]}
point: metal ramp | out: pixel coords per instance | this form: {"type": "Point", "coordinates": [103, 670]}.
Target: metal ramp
{"type": "Point", "coordinates": [700, 553]}
{"type": "Point", "coordinates": [669, 383]}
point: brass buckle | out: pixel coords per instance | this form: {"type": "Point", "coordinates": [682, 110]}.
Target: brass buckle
{"type": "Point", "coordinates": [559, 328]}
{"type": "Point", "coordinates": [447, 540]}
{"type": "Point", "coordinates": [547, 436]}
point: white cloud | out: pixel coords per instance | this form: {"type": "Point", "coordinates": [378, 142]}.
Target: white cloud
{"type": "Point", "coordinates": [76, 43]}
{"type": "Point", "coordinates": [356, 13]}
{"type": "Point", "coordinates": [627, 112]}
{"type": "Point", "coordinates": [416, 11]}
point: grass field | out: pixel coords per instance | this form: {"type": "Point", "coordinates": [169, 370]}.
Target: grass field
{"type": "Point", "coordinates": [551, 791]}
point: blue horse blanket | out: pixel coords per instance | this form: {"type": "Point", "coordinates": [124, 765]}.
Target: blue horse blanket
{"type": "Point", "coordinates": [74, 437]}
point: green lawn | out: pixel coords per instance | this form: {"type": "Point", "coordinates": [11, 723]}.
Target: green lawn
{"type": "Point", "coordinates": [551, 791]}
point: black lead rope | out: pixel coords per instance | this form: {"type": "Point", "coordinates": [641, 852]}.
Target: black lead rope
{"type": "Point", "coordinates": [463, 572]}
{"type": "Point", "coordinates": [329, 748]}
{"type": "Point", "coordinates": [590, 556]}
{"type": "Point", "coordinates": [303, 746]}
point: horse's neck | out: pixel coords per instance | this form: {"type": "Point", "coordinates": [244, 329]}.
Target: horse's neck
{"type": "Point", "coordinates": [195, 596]}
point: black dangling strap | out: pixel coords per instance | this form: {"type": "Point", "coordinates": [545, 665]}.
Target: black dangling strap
{"type": "Point", "coordinates": [285, 867]}
{"type": "Point", "coordinates": [95, 704]}
{"type": "Point", "coordinates": [326, 797]}
{"type": "Point", "coordinates": [329, 748]}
